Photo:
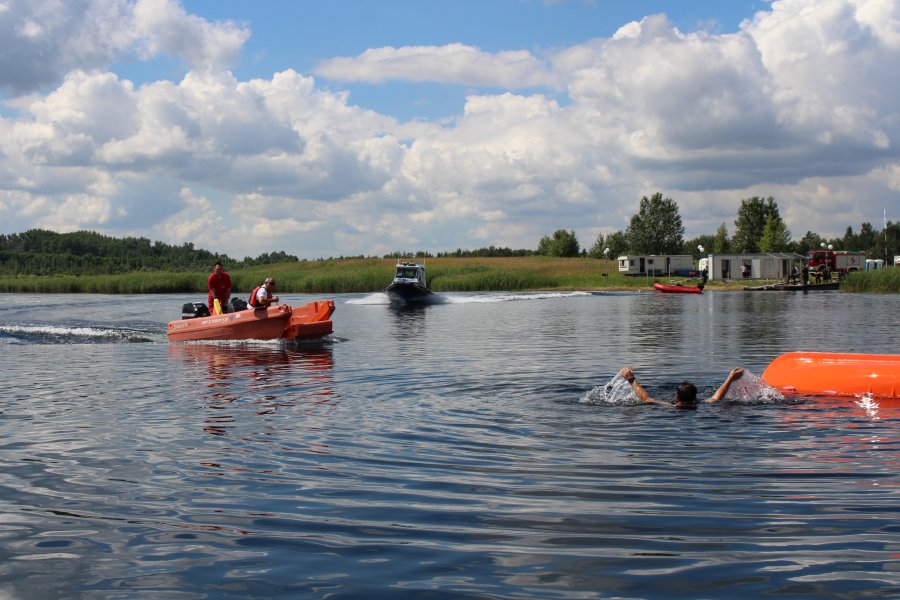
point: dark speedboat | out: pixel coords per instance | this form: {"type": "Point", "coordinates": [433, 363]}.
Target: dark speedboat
{"type": "Point", "coordinates": [409, 286]}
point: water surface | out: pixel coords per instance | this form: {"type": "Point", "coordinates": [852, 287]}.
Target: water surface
{"type": "Point", "coordinates": [447, 451]}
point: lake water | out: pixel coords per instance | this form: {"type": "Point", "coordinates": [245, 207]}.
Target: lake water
{"type": "Point", "coordinates": [456, 450]}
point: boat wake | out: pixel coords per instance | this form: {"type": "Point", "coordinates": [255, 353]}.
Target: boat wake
{"type": "Point", "coordinates": [510, 297]}
{"type": "Point", "coordinates": [67, 334]}
{"type": "Point", "coordinates": [474, 298]}
{"type": "Point", "coordinates": [274, 344]}
{"type": "Point", "coordinates": [377, 298]}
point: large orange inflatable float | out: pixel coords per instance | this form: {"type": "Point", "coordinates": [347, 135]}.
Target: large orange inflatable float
{"type": "Point", "coordinates": [835, 374]}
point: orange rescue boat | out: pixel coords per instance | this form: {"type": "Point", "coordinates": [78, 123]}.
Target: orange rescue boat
{"type": "Point", "coordinates": [835, 374]}
{"type": "Point", "coordinates": [310, 321]}
{"type": "Point", "coordinates": [677, 288]}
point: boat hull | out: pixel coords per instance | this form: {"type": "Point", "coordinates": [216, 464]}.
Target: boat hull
{"type": "Point", "coordinates": [676, 289]}
{"type": "Point", "coordinates": [275, 322]}
{"type": "Point", "coordinates": [408, 293]}
{"type": "Point", "coordinates": [835, 374]}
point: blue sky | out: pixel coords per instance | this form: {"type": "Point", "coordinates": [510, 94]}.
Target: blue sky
{"type": "Point", "coordinates": [299, 35]}
{"type": "Point", "coordinates": [344, 128]}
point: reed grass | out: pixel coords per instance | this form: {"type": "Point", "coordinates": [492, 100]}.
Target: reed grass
{"type": "Point", "coordinates": [358, 275]}
{"type": "Point", "coordinates": [156, 282]}
{"type": "Point", "coordinates": [882, 280]}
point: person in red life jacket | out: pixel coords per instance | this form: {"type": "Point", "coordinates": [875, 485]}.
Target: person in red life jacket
{"type": "Point", "coordinates": [219, 285]}
{"type": "Point", "coordinates": [262, 295]}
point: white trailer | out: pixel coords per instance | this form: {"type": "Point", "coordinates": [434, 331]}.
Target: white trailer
{"type": "Point", "coordinates": [654, 264]}
{"type": "Point", "coordinates": [774, 265]}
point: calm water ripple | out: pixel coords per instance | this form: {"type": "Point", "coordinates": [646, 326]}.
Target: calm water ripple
{"type": "Point", "coordinates": [443, 452]}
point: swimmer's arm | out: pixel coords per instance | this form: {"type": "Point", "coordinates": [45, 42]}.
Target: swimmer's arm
{"type": "Point", "coordinates": [628, 375]}
{"type": "Point", "coordinates": [736, 373]}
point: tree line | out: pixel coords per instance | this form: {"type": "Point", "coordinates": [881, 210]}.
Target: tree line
{"type": "Point", "coordinates": [43, 252]}
{"type": "Point", "coordinates": [657, 229]}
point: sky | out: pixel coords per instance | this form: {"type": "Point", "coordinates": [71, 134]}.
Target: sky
{"type": "Point", "coordinates": [342, 128]}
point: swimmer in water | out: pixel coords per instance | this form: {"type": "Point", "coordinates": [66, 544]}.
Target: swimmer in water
{"type": "Point", "coordinates": [686, 394]}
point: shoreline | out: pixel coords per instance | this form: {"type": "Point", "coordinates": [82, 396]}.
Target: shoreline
{"type": "Point", "coordinates": [370, 275]}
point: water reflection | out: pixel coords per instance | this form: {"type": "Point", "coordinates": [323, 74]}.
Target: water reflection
{"type": "Point", "coordinates": [268, 379]}
{"type": "Point", "coordinates": [855, 440]}
{"type": "Point", "coordinates": [409, 320]}
{"type": "Point", "coordinates": [762, 318]}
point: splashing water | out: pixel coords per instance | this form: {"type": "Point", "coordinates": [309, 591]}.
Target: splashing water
{"type": "Point", "coordinates": [868, 404]}
{"type": "Point", "coordinates": [617, 391]}
{"type": "Point", "coordinates": [750, 389]}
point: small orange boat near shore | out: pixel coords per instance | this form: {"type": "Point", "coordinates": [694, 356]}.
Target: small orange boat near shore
{"type": "Point", "coordinates": [306, 322]}
{"type": "Point", "coordinates": [835, 374]}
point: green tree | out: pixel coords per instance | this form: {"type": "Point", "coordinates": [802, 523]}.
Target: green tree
{"type": "Point", "coordinates": [599, 246]}
{"type": "Point", "coordinates": [866, 239]}
{"type": "Point", "coordinates": [614, 241]}
{"type": "Point", "coordinates": [808, 242]}
{"type": "Point", "coordinates": [776, 237]}
{"type": "Point", "coordinates": [563, 243]}
{"type": "Point", "coordinates": [722, 243]}
{"type": "Point", "coordinates": [751, 222]}
{"type": "Point", "coordinates": [657, 228]}
{"type": "Point", "coordinates": [692, 246]}
{"type": "Point", "coordinates": [617, 244]}
{"type": "Point", "coordinates": [887, 243]}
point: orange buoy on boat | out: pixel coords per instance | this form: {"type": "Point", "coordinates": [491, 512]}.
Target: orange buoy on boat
{"type": "Point", "coordinates": [835, 374]}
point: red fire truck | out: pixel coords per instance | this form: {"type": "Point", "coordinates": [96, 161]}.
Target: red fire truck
{"type": "Point", "coordinates": [839, 261]}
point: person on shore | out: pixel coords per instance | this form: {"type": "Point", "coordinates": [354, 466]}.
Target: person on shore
{"type": "Point", "coordinates": [704, 276]}
{"type": "Point", "coordinates": [686, 394]}
{"type": "Point", "coordinates": [219, 286]}
{"type": "Point", "coordinates": [804, 272]}
{"type": "Point", "coordinates": [262, 296]}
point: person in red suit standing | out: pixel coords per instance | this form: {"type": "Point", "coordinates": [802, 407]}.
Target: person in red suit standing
{"type": "Point", "coordinates": [219, 284]}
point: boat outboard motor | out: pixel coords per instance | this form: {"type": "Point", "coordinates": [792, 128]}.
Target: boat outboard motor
{"type": "Point", "coordinates": [192, 310]}
{"type": "Point", "coordinates": [238, 304]}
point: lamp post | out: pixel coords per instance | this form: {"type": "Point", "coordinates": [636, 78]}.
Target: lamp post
{"type": "Point", "coordinates": [606, 266]}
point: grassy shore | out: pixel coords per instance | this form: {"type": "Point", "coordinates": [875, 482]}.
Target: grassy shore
{"type": "Point", "coordinates": [372, 275]}
{"type": "Point", "coordinates": [882, 280]}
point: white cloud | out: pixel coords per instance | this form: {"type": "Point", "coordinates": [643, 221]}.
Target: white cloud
{"type": "Point", "coordinates": [40, 42]}
{"type": "Point", "coordinates": [165, 28]}
{"type": "Point", "coordinates": [800, 104]}
{"type": "Point", "coordinates": [455, 63]}
{"type": "Point", "coordinates": [198, 222]}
